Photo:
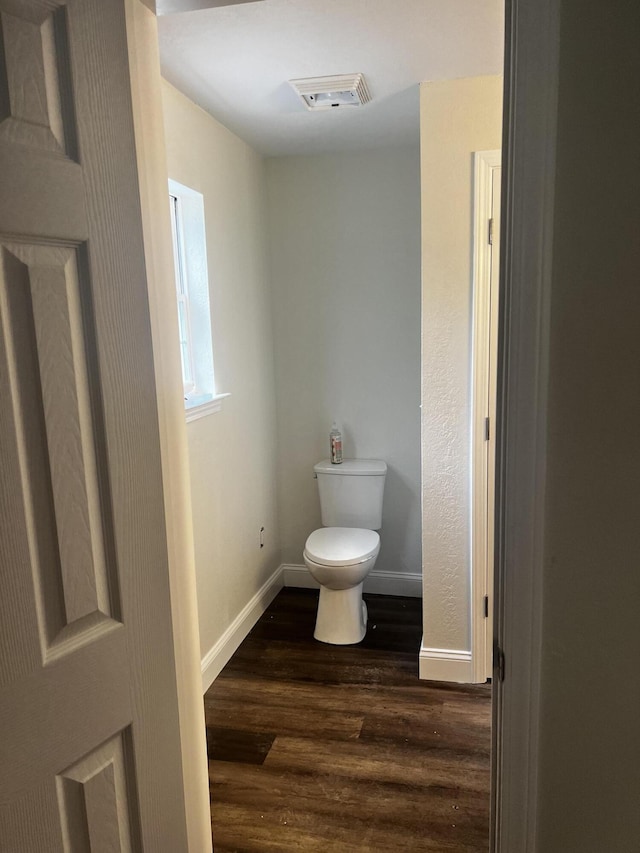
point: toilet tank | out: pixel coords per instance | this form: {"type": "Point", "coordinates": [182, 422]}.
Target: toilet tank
{"type": "Point", "coordinates": [351, 493]}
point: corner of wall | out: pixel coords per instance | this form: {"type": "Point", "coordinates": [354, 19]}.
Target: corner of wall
{"type": "Point", "coordinates": [457, 117]}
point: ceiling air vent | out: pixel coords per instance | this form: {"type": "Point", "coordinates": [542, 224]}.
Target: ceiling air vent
{"type": "Point", "coordinates": [325, 93]}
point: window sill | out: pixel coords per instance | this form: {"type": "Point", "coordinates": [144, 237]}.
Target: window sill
{"type": "Point", "coordinates": [203, 405]}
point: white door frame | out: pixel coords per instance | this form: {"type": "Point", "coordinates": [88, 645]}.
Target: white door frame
{"type": "Point", "coordinates": [486, 164]}
{"type": "Point", "coordinates": [144, 59]}
{"type": "Point", "coordinates": [528, 180]}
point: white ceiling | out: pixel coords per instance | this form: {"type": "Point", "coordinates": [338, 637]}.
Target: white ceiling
{"type": "Point", "coordinates": [235, 62]}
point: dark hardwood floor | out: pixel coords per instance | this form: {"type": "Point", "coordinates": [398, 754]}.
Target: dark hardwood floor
{"type": "Point", "coordinates": [315, 747]}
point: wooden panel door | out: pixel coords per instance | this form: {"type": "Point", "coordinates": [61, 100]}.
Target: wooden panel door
{"type": "Point", "coordinates": [89, 740]}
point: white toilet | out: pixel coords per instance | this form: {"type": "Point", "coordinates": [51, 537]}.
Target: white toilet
{"type": "Point", "coordinates": [342, 553]}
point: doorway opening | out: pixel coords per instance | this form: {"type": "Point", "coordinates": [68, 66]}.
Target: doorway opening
{"type": "Point", "coordinates": [457, 661]}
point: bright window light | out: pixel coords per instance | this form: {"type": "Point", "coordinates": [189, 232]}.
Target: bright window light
{"type": "Point", "coordinates": [192, 295]}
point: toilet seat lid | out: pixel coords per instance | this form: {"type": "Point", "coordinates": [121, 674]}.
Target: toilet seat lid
{"type": "Point", "coordinates": [341, 546]}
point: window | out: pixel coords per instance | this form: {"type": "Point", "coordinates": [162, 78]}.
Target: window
{"type": "Point", "coordinates": [192, 294]}
{"type": "Point", "coordinates": [184, 332]}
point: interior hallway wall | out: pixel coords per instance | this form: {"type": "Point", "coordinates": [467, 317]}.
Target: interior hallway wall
{"type": "Point", "coordinates": [588, 779]}
{"type": "Point", "coordinates": [232, 459]}
{"type": "Point", "coordinates": [457, 118]}
{"type": "Point", "coordinates": [345, 263]}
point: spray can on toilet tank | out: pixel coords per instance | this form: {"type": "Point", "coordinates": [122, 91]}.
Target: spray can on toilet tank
{"type": "Point", "coordinates": [335, 441]}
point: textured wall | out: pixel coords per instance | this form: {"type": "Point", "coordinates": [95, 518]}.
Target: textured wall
{"type": "Point", "coordinates": [232, 458]}
{"type": "Point", "coordinates": [345, 260]}
{"type": "Point", "coordinates": [457, 117]}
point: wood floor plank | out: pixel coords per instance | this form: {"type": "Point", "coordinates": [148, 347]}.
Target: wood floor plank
{"type": "Point", "coordinates": [330, 807]}
{"type": "Point", "coordinates": [246, 747]}
{"type": "Point", "coordinates": [433, 728]}
{"type": "Point", "coordinates": [253, 704]}
{"type": "Point", "coordinates": [329, 748]}
{"type": "Point", "coordinates": [328, 697]}
{"type": "Point", "coordinates": [319, 663]}
{"type": "Point", "coordinates": [387, 762]}
{"type": "Point", "coordinates": [278, 835]}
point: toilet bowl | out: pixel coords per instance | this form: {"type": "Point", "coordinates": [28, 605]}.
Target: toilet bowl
{"type": "Point", "coordinates": [340, 558]}
{"type": "Point", "coordinates": [342, 553]}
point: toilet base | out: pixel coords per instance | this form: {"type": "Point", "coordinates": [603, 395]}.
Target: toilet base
{"type": "Point", "coordinates": [342, 616]}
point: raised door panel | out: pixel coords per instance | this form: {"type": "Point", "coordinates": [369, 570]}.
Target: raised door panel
{"type": "Point", "coordinates": [49, 338]}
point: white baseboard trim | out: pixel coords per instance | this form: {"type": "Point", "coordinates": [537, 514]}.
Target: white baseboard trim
{"type": "Point", "coordinates": [378, 583]}
{"type": "Point", "coordinates": [446, 665]}
{"type": "Point", "coordinates": [220, 653]}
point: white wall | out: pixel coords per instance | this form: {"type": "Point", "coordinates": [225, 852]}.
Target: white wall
{"type": "Point", "coordinates": [589, 782]}
{"type": "Point", "coordinates": [345, 261]}
{"type": "Point", "coordinates": [232, 458]}
{"type": "Point", "coordinates": [457, 117]}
